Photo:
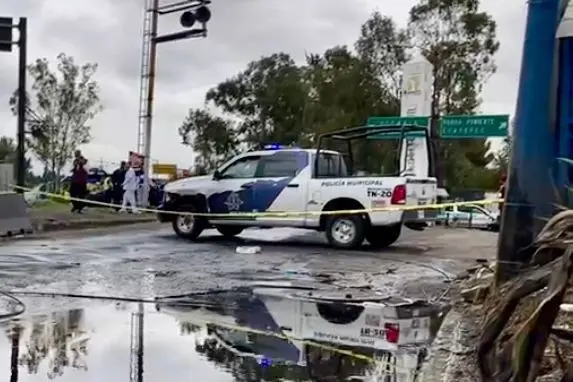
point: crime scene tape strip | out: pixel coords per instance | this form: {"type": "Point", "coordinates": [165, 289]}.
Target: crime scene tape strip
{"type": "Point", "coordinates": [390, 367]}
{"type": "Point", "coordinates": [273, 213]}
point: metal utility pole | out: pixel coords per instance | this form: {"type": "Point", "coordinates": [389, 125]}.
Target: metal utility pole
{"type": "Point", "coordinates": [192, 11]}
{"type": "Point", "coordinates": [530, 195]}
{"type": "Point", "coordinates": [6, 28]}
{"type": "Point", "coordinates": [16, 330]}
{"type": "Point", "coordinates": [136, 346]}
{"type": "Point", "coordinates": [22, 61]}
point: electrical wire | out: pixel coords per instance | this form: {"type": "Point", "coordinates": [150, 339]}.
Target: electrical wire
{"type": "Point", "coordinates": [21, 307]}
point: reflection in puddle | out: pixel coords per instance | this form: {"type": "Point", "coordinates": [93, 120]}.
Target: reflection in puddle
{"type": "Point", "coordinates": [260, 333]}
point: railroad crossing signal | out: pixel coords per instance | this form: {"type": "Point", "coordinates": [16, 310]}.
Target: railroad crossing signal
{"type": "Point", "coordinates": [6, 34]}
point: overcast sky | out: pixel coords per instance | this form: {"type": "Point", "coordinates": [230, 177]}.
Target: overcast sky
{"type": "Point", "coordinates": [109, 32]}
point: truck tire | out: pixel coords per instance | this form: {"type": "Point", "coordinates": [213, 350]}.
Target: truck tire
{"type": "Point", "coordinates": [382, 237]}
{"type": "Point", "coordinates": [229, 230]}
{"type": "Point", "coordinates": [345, 231]}
{"type": "Point", "coordinates": [186, 226]}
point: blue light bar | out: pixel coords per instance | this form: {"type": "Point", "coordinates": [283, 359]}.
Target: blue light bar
{"type": "Point", "coordinates": [277, 146]}
{"type": "Point", "coordinates": [273, 146]}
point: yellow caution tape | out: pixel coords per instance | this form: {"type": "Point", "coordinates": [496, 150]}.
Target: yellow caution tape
{"type": "Point", "coordinates": [275, 213]}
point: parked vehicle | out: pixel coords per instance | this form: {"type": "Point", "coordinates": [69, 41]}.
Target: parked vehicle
{"type": "Point", "coordinates": [469, 216]}
{"type": "Point", "coordinates": [309, 183]}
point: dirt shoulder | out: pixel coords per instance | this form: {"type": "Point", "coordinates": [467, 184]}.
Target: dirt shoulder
{"type": "Point", "coordinates": [59, 217]}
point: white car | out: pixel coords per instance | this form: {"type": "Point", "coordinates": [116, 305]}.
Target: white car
{"type": "Point", "coordinates": [308, 184]}
{"type": "Point", "coordinates": [470, 216]}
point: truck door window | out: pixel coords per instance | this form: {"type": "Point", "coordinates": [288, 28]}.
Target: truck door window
{"type": "Point", "coordinates": [278, 165]}
{"type": "Point", "coordinates": [243, 168]}
{"type": "Point", "coordinates": [330, 166]}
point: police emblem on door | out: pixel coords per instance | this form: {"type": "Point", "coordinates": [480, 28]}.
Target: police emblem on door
{"type": "Point", "coordinates": [233, 202]}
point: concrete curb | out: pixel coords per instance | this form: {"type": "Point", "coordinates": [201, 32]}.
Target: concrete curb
{"type": "Point", "coordinates": [53, 226]}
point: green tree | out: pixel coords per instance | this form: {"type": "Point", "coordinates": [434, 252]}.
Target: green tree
{"type": "Point", "coordinates": [213, 139]}
{"type": "Point", "coordinates": [460, 41]}
{"type": "Point", "coordinates": [384, 47]}
{"type": "Point", "coordinates": [344, 92]}
{"type": "Point", "coordinates": [269, 98]}
{"type": "Point", "coordinates": [502, 156]}
{"type": "Point", "coordinates": [62, 104]}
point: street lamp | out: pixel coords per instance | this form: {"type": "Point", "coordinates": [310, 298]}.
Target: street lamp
{"type": "Point", "coordinates": [193, 12]}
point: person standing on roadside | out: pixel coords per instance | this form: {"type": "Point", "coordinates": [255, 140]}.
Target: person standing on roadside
{"type": "Point", "coordinates": [117, 179]}
{"type": "Point", "coordinates": [130, 186]}
{"type": "Point", "coordinates": [79, 183]}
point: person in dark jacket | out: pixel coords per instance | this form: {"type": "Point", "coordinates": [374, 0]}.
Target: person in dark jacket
{"type": "Point", "coordinates": [79, 183]}
{"type": "Point", "coordinates": [117, 179]}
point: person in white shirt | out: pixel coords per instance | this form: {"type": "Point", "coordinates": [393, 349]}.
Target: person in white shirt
{"type": "Point", "coordinates": [130, 186]}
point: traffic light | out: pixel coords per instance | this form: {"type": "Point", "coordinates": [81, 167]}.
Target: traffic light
{"type": "Point", "coordinates": [201, 15]}
{"type": "Point", "coordinates": [6, 35]}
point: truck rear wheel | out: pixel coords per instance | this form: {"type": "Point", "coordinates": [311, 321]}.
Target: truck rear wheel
{"type": "Point", "coordinates": [382, 237]}
{"type": "Point", "coordinates": [229, 230]}
{"type": "Point", "coordinates": [345, 231]}
{"type": "Point", "coordinates": [188, 226]}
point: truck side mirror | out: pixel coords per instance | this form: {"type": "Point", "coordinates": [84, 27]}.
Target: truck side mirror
{"type": "Point", "coordinates": [216, 175]}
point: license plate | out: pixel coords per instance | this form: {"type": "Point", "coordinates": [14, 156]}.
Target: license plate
{"type": "Point", "coordinates": [420, 214]}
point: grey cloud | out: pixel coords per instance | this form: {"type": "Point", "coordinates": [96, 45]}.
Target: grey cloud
{"type": "Point", "coordinates": [240, 31]}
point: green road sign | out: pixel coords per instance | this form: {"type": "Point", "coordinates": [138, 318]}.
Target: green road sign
{"type": "Point", "coordinates": [474, 126]}
{"type": "Point", "coordinates": [393, 121]}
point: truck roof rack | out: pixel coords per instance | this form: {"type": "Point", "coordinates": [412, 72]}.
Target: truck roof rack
{"type": "Point", "coordinates": [366, 131]}
{"type": "Point", "coordinates": [362, 132]}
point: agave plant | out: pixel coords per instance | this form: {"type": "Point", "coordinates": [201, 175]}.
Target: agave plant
{"type": "Point", "coordinates": [518, 357]}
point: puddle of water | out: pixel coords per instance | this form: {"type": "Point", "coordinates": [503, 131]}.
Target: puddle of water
{"type": "Point", "coordinates": [267, 331]}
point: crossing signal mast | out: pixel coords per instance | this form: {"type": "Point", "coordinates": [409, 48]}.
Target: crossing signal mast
{"type": "Point", "coordinates": [194, 17]}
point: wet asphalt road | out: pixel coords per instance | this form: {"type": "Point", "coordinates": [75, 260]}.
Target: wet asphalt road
{"type": "Point", "coordinates": [70, 340]}
{"type": "Point", "coordinates": [153, 262]}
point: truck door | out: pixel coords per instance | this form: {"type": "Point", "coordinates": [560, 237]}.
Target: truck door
{"type": "Point", "coordinates": [281, 185]}
{"type": "Point", "coordinates": [233, 189]}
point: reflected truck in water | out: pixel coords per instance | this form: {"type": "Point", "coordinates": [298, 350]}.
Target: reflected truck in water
{"type": "Point", "coordinates": [264, 332]}
{"type": "Point", "coordinates": [320, 334]}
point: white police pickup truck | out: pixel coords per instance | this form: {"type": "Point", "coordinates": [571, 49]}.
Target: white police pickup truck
{"type": "Point", "coordinates": [306, 182]}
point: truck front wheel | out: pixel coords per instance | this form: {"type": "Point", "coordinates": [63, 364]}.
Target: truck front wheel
{"type": "Point", "coordinates": [385, 236]}
{"type": "Point", "coordinates": [186, 225]}
{"type": "Point", "coordinates": [345, 231]}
